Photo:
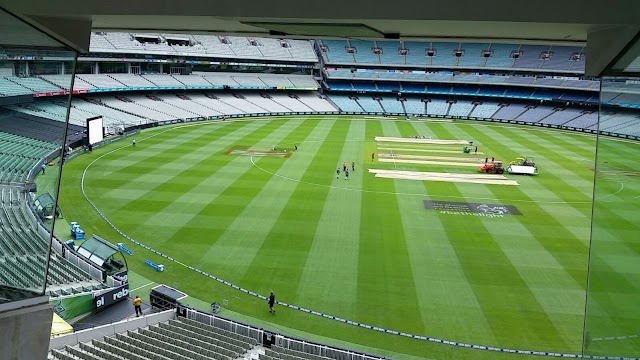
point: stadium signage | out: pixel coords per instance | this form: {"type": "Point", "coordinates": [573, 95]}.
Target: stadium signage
{"type": "Point", "coordinates": [471, 209]}
{"type": "Point", "coordinates": [122, 276]}
{"type": "Point", "coordinates": [111, 297]}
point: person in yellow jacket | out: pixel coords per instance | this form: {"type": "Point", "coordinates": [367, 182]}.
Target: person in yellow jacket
{"type": "Point", "coordinates": [137, 302]}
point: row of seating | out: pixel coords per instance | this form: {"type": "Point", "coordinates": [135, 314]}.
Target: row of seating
{"type": "Point", "coordinates": [175, 339]}
{"type": "Point", "coordinates": [128, 109]}
{"type": "Point", "coordinates": [12, 85]}
{"type": "Point", "coordinates": [620, 121]}
{"type": "Point", "coordinates": [576, 83]}
{"type": "Point", "coordinates": [540, 93]}
{"type": "Point", "coordinates": [449, 54]}
{"type": "Point", "coordinates": [204, 46]}
{"type": "Point", "coordinates": [182, 339]}
{"type": "Point", "coordinates": [48, 83]}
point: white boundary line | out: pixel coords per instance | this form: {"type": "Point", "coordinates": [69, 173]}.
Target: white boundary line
{"type": "Point", "coordinates": [140, 287]}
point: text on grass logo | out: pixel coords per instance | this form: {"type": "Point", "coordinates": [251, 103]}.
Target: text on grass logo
{"type": "Point", "coordinates": [471, 209]}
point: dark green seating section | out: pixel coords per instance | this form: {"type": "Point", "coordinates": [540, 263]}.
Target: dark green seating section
{"type": "Point", "coordinates": [174, 340]}
{"type": "Point", "coordinates": [19, 154]}
{"type": "Point", "coordinates": [23, 253]}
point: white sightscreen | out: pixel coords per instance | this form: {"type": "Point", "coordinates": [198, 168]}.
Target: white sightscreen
{"type": "Point", "coordinates": [95, 130]}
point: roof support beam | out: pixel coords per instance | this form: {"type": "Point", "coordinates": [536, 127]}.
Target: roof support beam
{"type": "Point", "coordinates": [605, 47]}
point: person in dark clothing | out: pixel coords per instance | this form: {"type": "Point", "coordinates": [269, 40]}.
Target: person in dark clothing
{"type": "Point", "coordinates": [486, 160]}
{"type": "Point", "coordinates": [476, 151]}
{"type": "Point", "coordinates": [43, 167]}
{"type": "Point", "coordinates": [272, 301]}
{"type": "Point", "coordinates": [337, 173]}
{"type": "Point", "coordinates": [492, 159]}
{"type": "Point", "coordinates": [346, 174]}
{"type": "Point", "coordinates": [372, 156]}
{"type": "Point", "coordinates": [353, 166]}
{"type": "Point", "coordinates": [296, 146]}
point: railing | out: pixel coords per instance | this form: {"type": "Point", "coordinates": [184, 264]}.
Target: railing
{"type": "Point", "coordinates": [321, 350]}
{"type": "Point", "coordinates": [223, 323]}
{"type": "Point", "coordinates": [120, 327]}
{"type": "Point", "coordinates": [261, 335]}
{"type": "Point", "coordinates": [171, 87]}
{"type": "Point", "coordinates": [45, 159]}
{"type": "Point", "coordinates": [93, 271]}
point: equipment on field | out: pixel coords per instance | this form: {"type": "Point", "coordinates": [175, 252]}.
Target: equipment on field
{"type": "Point", "coordinates": [76, 232]}
{"type": "Point", "coordinates": [215, 307]}
{"type": "Point", "coordinates": [158, 267]}
{"type": "Point", "coordinates": [494, 168]}
{"type": "Point", "coordinates": [122, 248]}
{"type": "Point", "coordinates": [523, 166]}
{"type": "Point", "coordinates": [164, 297]}
{"type": "Point", "coordinates": [528, 161]}
{"type": "Point", "coordinates": [522, 170]}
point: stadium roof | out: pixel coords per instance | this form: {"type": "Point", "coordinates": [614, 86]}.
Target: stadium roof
{"type": "Point", "coordinates": [611, 29]}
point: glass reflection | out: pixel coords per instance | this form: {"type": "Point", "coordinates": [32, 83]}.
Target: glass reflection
{"type": "Point", "coordinates": [612, 312]}
{"type": "Point", "coordinates": [35, 78]}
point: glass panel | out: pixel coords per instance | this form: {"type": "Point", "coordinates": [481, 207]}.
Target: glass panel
{"type": "Point", "coordinates": [35, 78]}
{"type": "Point", "coordinates": [612, 312]}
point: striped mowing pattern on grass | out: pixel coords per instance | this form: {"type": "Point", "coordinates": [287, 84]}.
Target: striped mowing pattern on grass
{"type": "Point", "coordinates": [365, 248]}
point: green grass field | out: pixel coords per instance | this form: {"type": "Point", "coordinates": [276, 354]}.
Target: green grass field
{"type": "Point", "coordinates": [366, 249]}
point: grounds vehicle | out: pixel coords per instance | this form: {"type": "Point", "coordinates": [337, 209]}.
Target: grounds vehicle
{"type": "Point", "coordinates": [522, 166]}
{"type": "Point", "coordinates": [493, 168]}
{"type": "Point", "coordinates": [528, 161]}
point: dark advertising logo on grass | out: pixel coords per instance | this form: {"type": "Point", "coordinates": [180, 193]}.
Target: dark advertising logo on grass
{"type": "Point", "coordinates": [471, 209]}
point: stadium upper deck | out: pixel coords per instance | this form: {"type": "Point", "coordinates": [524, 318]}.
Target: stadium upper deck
{"type": "Point", "coordinates": [230, 47]}
{"type": "Point", "coordinates": [489, 56]}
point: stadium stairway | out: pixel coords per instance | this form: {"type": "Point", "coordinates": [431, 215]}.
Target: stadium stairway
{"type": "Point", "coordinates": [517, 115]}
{"type": "Point", "coordinates": [297, 98]}
{"type": "Point", "coordinates": [225, 109]}
{"type": "Point", "coordinates": [240, 102]}
{"type": "Point", "coordinates": [582, 114]}
{"type": "Point", "coordinates": [203, 103]}
{"type": "Point", "coordinates": [377, 99]}
{"type": "Point", "coordinates": [118, 81]}
{"type": "Point", "coordinates": [159, 107]}
{"type": "Point", "coordinates": [449, 104]}
{"type": "Point", "coordinates": [286, 102]}
{"type": "Point", "coordinates": [98, 102]}
{"type": "Point", "coordinates": [51, 82]}
{"type": "Point", "coordinates": [355, 99]}
{"type": "Point", "coordinates": [180, 108]}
